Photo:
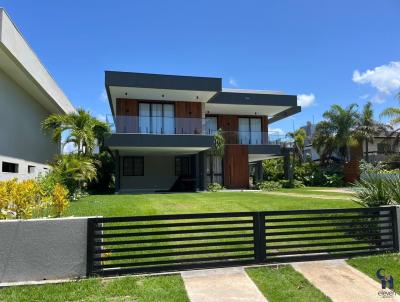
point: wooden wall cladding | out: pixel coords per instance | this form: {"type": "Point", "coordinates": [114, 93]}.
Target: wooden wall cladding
{"type": "Point", "coordinates": [188, 109]}
{"type": "Point", "coordinates": [125, 109]}
{"type": "Point", "coordinates": [236, 167]}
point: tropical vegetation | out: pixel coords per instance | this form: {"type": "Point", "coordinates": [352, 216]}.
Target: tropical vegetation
{"type": "Point", "coordinates": [32, 198]}
{"type": "Point", "coordinates": [81, 169]}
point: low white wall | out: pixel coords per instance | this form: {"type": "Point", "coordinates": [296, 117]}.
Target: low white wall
{"type": "Point", "coordinates": [42, 249]}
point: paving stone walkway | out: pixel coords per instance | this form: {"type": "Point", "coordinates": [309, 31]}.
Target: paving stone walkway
{"type": "Point", "coordinates": [341, 282]}
{"type": "Point", "coordinates": [222, 285]}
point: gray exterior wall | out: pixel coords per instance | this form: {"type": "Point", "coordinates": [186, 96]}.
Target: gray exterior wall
{"type": "Point", "coordinates": [39, 249]}
{"type": "Point", "coordinates": [20, 133]}
{"type": "Point", "coordinates": [159, 174]}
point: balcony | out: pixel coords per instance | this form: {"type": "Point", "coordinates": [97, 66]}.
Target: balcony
{"type": "Point", "coordinates": [188, 126]}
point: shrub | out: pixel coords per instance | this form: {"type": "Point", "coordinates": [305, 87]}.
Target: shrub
{"type": "Point", "coordinates": [74, 172]}
{"type": "Point", "coordinates": [273, 169]}
{"type": "Point", "coordinates": [214, 187]}
{"type": "Point", "coordinates": [375, 189]}
{"type": "Point", "coordinates": [31, 198]}
{"type": "Point", "coordinates": [105, 180]}
{"type": "Point", "coordinates": [287, 184]}
{"type": "Point", "coordinates": [269, 185]}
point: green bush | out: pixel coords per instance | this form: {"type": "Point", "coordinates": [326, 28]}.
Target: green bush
{"type": "Point", "coordinates": [287, 184]}
{"type": "Point", "coordinates": [214, 187]}
{"type": "Point", "coordinates": [273, 169]}
{"type": "Point", "coordinates": [269, 185]}
{"type": "Point", "coordinates": [104, 183]}
{"type": "Point", "coordinates": [375, 189]}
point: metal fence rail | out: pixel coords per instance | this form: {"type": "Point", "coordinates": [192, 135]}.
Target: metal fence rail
{"type": "Point", "coordinates": [140, 244]}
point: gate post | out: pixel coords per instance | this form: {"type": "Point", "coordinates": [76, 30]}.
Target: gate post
{"type": "Point", "coordinates": [90, 247]}
{"type": "Point", "coordinates": [396, 228]}
{"type": "Point", "coordinates": [259, 237]}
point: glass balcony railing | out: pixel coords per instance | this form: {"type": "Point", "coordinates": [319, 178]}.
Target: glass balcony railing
{"type": "Point", "coordinates": [197, 126]}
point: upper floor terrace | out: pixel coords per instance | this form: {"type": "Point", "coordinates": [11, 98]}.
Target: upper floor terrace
{"type": "Point", "coordinates": [169, 125]}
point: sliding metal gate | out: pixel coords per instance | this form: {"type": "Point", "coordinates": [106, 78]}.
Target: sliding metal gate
{"type": "Point", "coordinates": [144, 244]}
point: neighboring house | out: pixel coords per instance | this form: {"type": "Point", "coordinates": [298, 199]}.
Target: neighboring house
{"type": "Point", "coordinates": [28, 94]}
{"type": "Point", "coordinates": [164, 125]}
{"type": "Point", "coordinates": [380, 149]}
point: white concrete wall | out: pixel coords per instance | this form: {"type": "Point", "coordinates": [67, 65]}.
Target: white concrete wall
{"type": "Point", "coordinates": [21, 137]}
{"type": "Point", "coordinates": [42, 249]}
{"type": "Point", "coordinates": [159, 174]}
{"type": "Point", "coordinates": [23, 172]}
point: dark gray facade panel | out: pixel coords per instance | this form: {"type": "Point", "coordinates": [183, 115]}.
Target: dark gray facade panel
{"type": "Point", "coordinates": [238, 98]}
{"type": "Point", "coordinates": [154, 140]}
{"type": "Point", "coordinates": [161, 81]}
{"type": "Point", "coordinates": [284, 114]}
{"type": "Point", "coordinates": [265, 149]}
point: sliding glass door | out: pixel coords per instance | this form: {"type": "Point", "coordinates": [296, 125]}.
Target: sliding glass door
{"type": "Point", "coordinates": [156, 118]}
{"type": "Point", "coordinates": [250, 131]}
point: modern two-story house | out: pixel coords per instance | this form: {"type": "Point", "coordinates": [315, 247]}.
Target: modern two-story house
{"type": "Point", "coordinates": [164, 127]}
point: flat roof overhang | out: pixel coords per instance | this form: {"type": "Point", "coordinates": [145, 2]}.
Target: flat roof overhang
{"type": "Point", "coordinates": [261, 152]}
{"type": "Point", "coordinates": [250, 103]}
{"type": "Point", "coordinates": [145, 86]}
{"type": "Point", "coordinates": [151, 144]}
{"type": "Point", "coordinates": [22, 65]}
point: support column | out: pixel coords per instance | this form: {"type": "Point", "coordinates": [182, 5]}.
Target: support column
{"type": "Point", "coordinates": [201, 170]}
{"type": "Point", "coordinates": [117, 172]}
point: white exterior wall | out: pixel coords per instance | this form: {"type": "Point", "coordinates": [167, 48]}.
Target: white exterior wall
{"type": "Point", "coordinates": [21, 137]}
{"type": "Point", "coordinates": [42, 249]}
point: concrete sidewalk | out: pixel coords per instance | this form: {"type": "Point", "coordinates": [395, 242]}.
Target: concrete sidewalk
{"type": "Point", "coordinates": [341, 282]}
{"type": "Point", "coordinates": [222, 285]}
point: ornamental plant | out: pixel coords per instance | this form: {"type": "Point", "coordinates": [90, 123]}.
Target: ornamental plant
{"type": "Point", "coordinates": [31, 198]}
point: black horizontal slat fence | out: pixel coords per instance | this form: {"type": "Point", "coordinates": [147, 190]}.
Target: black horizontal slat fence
{"type": "Point", "coordinates": [145, 244]}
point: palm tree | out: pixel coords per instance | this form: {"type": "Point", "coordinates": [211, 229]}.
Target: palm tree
{"type": "Point", "coordinates": [367, 128]}
{"type": "Point", "coordinates": [324, 141]}
{"type": "Point", "coordinates": [74, 170]}
{"type": "Point", "coordinates": [218, 149]}
{"type": "Point", "coordinates": [83, 130]}
{"type": "Point", "coordinates": [393, 113]}
{"type": "Point", "coordinates": [298, 137]}
{"type": "Point", "coordinates": [342, 122]}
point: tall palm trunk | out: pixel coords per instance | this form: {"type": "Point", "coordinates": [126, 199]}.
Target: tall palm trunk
{"type": "Point", "coordinates": [366, 150]}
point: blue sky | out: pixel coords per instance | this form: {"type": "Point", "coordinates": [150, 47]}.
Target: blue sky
{"type": "Point", "coordinates": [325, 51]}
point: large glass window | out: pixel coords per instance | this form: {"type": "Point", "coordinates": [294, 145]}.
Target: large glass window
{"type": "Point", "coordinates": [133, 166]}
{"type": "Point", "coordinates": [250, 131]}
{"type": "Point", "coordinates": [183, 166]}
{"type": "Point", "coordinates": [156, 118]}
{"type": "Point", "coordinates": [211, 125]}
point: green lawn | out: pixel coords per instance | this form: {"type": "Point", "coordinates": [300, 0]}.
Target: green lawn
{"type": "Point", "coordinates": [138, 289]}
{"type": "Point", "coordinates": [369, 266]}
{"type": "Point", "coordinates": [181, 203]}
{"type": "Point", "coordinates": [283, 283]}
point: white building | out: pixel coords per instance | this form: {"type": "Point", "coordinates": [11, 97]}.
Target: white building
{"type": "Point", "coordinates": [28, 94]}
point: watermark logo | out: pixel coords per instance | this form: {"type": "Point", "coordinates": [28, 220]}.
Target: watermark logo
{"type": "Point", "coordinates": [387, 284]}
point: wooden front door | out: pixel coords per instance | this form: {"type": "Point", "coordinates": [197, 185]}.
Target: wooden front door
{"type": "Point", "coordinates": [236, 167]}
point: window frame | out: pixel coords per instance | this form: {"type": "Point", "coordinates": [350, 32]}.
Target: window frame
{"type": "Point", "coordinates": [133, 168]}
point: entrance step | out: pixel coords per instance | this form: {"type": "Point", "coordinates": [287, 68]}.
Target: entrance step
{"type": "Point", "coordinates": [341, 282]}
{"type": "Point", "coordinates": [222, 285]}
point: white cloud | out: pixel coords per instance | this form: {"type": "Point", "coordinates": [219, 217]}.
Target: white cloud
{"type": "Point", "coordinates": [385, 79]}
{"type": "Point", "coordinates": [305, 100]}
{"type": "Point", "coordinates": [233, 82]}
{"type": "Point", "coordinates": [277, 131]}
{"type": "Point", "coordinates": [103, 96]}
